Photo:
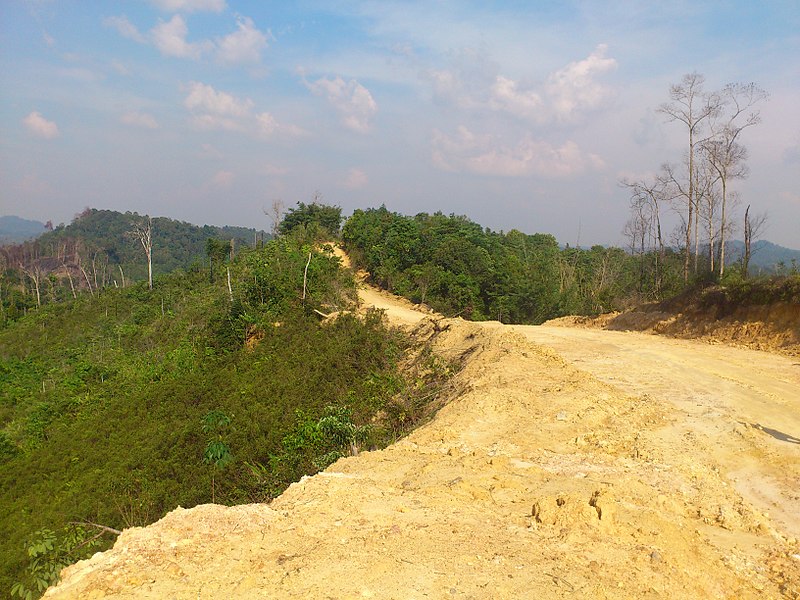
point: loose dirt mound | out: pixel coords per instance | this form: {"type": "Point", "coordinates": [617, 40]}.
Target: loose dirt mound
{"type": "Point", "coordinates": [537, 480]}
{"type": "Point", "coordinates": [774, 326]}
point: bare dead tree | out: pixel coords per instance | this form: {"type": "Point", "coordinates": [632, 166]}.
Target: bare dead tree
{"type": "Point", "coordinates": [724, 152]}
{"type": "Point", "coordinates": [644, 227]}
{"type": "Point", "coordinates": [708, 209]}
{"type": "Point", "coordinates": [693, 107]}
{"type": "Point", "coordinates": [143, 232]}
{"type": "Point", "coordinates": [66, 268]}
{"type": "Point", "coordinates": [753, 227]}
{"type": "Point", "coordinates": [275, 214]}
{"type": "Point", "coordinates": [34, 273]}
{"type": "Point", "coordinates": [305, 276]}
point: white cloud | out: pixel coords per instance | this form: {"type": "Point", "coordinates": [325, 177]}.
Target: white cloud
{"type": "Point", "coordinates": [266, 123]}
{"type": "Point", "coordinates": [446, 85]}
{"type": "Point", "coordinates": [137, 119]}
{"type": "Point", "coordinates": [351, 99]}
{"type": "Point", "coordinates": [573, 88]}
{"type": "Point", "coordinates": [242, 46]}
{"type": "Point", "coordinates": [190, 5]}
{"type": "Point", "coordinates": [40, 126]}
{"type": "Point", "coordinates": [506, 96]}
{"type": "Point", "coordinates": [472, 82]}
{"type": "Point", "coordinates": [355, 179]}
{"type": "Point", "coordinates": [170, 39]}
{"type": "Point", "coordinates": [205, 98]}
{"type": "Point", "coordinates": [487, 155]}
{"type": "Point", "coordinates": [125, 28]}
{"type": "Point", "coordinates": [466, 82]}
{"type": "Point", "coordinates": [267, 126]}
{"type": "Point", "coordinates": [213, 109]}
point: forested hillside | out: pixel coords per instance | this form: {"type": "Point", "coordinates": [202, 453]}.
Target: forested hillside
{"type": "Point", "coordinates": [98, 250]}
{"type": "Point", "coordinates": [459, 268]}
{"type": "Point", "coordinates": [118, 407]}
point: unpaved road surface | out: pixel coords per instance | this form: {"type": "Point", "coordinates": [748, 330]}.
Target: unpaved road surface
{"type": "Point", "coordinates": [722, 395]}
{"type": "Point", "coordinates": [570, 463]}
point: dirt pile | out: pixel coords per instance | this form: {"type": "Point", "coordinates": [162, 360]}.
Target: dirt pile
{"type": "Point", "coordinates": [710, 316]}
{"type": "Point", "coordinates": [537, 480]}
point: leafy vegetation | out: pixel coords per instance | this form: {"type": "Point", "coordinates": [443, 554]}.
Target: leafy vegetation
{"type": "Point", "coordinates": [118, 407]}
{"type": "Point", "coordinates": [752, 292]}
{"type": "Point", "coordinates": [459, 268]}
{"type": "Point", "coordinates": [325, 217]}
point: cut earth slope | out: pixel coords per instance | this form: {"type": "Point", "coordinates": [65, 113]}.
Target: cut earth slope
{"type": "Point", "coordinates": [551, 473]}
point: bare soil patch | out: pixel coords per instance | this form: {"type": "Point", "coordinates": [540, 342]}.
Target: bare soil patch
{"type": "Point", "coordinates": [711, 316]}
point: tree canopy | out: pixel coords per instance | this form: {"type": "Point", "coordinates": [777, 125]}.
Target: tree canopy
{"type": "Point", "coordinates": [326, 217]}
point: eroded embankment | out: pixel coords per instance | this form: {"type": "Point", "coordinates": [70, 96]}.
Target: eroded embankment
{"type": "Point", "coordinates": [773, 327]}
{"type": "Point", "coordinates": [538, 480]}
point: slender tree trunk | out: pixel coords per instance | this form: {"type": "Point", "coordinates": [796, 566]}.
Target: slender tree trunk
{"type": "Point", "coordinates": [722, 229]}
{"type": "Point", "coordinates": [88, 281]}
{"type": "Point", "coordinates": [38, 296]}
{"type": "Point", "coordinates": [71, 284]}
{"type": "Point", "coordinates": [150, 268]}
{"type": "Point", "coordinates": [696, 236]}
{"type": "Point", "coordinates": [748, 238]}
{"type": "Point", "coordinates": [305, 276]}
{"type": "Point", "coordinates": [690, 207]}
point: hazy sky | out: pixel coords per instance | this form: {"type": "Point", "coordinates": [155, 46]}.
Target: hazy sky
{"type": "Point", "coordinates": [519, 114]}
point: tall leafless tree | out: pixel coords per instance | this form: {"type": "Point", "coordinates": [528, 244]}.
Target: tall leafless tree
{"type": "Point", "coordinates": [693, 107]}
{"type": "Point", "coordinates": [143, 232]}
{"type": "Point", "coordinates": [275, 214]}
{"type": "Point", "coordinates": [724, 152]}
{"type": "Point", "coordinates": [34, 273]}
{"type": "Point", "coordinates": [753, 227]}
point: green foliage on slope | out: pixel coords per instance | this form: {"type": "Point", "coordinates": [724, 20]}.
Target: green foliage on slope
{"type": "Point", "coordinates": [105, 400]}
{"type": "Point", "coordinates": [316, 215]}
{"type": "Point", "coordinates": [457, 267]}
{"type": "Point", "coordinates": [176, 244]}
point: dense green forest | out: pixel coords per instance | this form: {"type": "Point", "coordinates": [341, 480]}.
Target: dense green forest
{"type": "Point", "coordinates": [119, 406]}
{"type": "Point", "coordinates": [459, 268]}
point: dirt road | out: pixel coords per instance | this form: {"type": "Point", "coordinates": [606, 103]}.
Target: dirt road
{"type": "Point", "coordinates": [744, 405]}
{"type": "Point", "coordinates": [571, 464]}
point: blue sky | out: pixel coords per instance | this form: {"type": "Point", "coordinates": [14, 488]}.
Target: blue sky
{"type": "Point", "coordinates": [518, 114]}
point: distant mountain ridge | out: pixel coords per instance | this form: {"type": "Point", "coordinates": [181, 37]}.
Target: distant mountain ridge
{"type": "Point", "coordinates": [766, 257]}
{"type": "Point", "coordinates": [14, 230]}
